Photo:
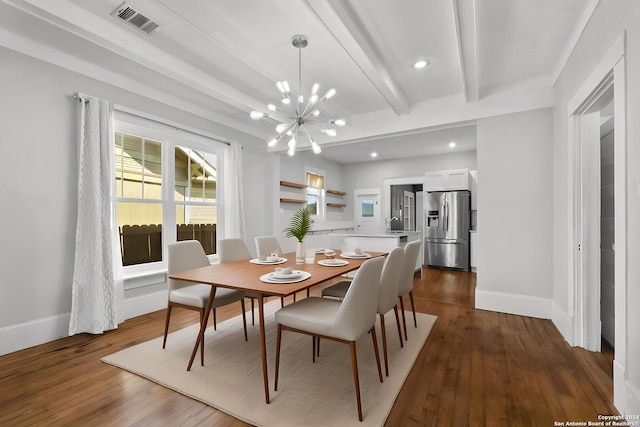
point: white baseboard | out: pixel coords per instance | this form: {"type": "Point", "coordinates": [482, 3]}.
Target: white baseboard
{"type": "Point", "coordinates": [563, 322]}
{"type": "Point", "coordinates": [137, 306]}
{"type": "Point", "coordinates": [626, 395]}
{"type": "Point", "coordinates": [36, 332]}
{"type": "Point", "coordinates": [523, 305]}
{"type": "Point", "coordinates": [40, 331]}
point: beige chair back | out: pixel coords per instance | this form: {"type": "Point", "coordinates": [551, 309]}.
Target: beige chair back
{"type": "Point", "coordinates": [388, 289]}
{"type": "Point", "coordinates": [357, 313]}
{"type": "Point", "coordinates": [267, 244]}
{"type": "Point", "coordinates": [232, 249]}
{"type": "Point", "coordinates": [411, 251]}
{"type": "Point", "coordinates": [183, 256]}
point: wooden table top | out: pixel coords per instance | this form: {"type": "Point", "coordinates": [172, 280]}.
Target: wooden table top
{"type": "Point", "coordinates": [244, 275]}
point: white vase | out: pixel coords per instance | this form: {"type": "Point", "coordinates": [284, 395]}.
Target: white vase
{"type": "Point", "coordinates": [300, 253]}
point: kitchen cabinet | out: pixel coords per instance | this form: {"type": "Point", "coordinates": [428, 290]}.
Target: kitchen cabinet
{"type": "Point", "coordinates": [447, 180]}
{"type": "Point", "coordinates": [379, 242]}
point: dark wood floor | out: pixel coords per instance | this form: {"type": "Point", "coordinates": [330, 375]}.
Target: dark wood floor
{"type": "Point", "coordinates": [477, 368]}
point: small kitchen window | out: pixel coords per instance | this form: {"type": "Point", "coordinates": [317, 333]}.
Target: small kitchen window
{"type": "Point", "coordinates": [315, 193]}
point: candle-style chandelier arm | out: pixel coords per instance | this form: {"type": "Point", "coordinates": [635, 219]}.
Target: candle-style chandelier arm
{"type": "Point", "coordinates": [306, 116]}
{"type": "Point", "coordinates": [314, 145]}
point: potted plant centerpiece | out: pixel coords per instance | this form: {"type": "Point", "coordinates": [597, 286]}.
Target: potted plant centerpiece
{"type": "Point", "coordinates": [299, 226]}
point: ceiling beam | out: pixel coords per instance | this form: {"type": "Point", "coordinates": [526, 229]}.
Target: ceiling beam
{"type": "Point", "coordinates": [104, 33]}
{"type": "Point", "coordinates": [465, 17]}
{"type": "Point", "coordinates": [338, 19]}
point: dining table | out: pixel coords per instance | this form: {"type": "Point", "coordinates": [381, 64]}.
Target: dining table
{"type": "Point", "coordinates": [248, 275]}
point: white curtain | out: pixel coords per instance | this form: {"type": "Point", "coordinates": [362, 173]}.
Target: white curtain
{"type": "Point", "coordinates": [97, 290]}
{"type": "Point", "coordinates": [233, 202]}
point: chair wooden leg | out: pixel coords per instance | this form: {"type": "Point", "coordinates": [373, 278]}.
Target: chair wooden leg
{"type": "Point", "coordinates": [314, 348]}
{"type": "Point", "coordinates": [413, 308]}
{"type": "Point", "coordinates": [308, 292]}
{"type": "Point", "coordinates": [278, 338]}
{"type": "Point", "coordinates": [244, 319]}
{"type": "Point", "coordinates": [318, 348]}
{"type": "Point", "coordinates": [166, 325]}
{"type": "Point", "coordinates": [214, 320]}
{"type": "Point", "coordinates": [384, 345]}
{"type": "Point", "coordinates": [375, 349]}
{"type": "Point", "coordinates": [395, 309]}
{"type": "Point", "coordinates": [281, 302]}
{"type": "Point", "coordinates": [202, 315]}
{"type": "Point", "coordinates": [404, 322]}
{"type": "Point", "coordinates": [356, 380]}
{"type": "Point", "coordinates": [204, 319]}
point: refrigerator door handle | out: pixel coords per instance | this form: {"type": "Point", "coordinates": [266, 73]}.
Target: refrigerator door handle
{"type": "Point", "coordinates": [445, 216]}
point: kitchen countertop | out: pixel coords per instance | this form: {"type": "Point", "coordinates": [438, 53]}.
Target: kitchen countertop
{"type": "Point", "coordinates": [383, 234]}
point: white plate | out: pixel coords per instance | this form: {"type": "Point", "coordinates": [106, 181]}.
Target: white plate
{"type": "Point", "coordinates": [257, 261]}
{"type": "Point", "coordinates": [284, 276]}
{"type": "Point", "coordinates": [333, 262]}
{"type": "Point", "coordinates": [320, 250]}
{"type": "Point", "coordinates": [353, 255]}
{"type": "Point", "coordinates": [268, 279]}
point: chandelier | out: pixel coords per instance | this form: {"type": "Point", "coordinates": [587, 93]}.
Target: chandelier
{"type": "Point", "coordinates": [300, 118]}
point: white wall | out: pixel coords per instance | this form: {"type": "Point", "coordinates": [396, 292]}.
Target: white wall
{"type": "Point", "coordinates": [514, 256]}
{"type": "Point", "coordinates": [293, 169]}
{"type": "Point", "coordinates": [38, 189]}
{"type": "Point", "coordinates": [610, 20]}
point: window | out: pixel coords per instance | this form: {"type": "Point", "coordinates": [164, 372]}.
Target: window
{"type": "Point", "coordinates": [166, 190]}
{"type": "Point", "coordinates": [367, 208]}
{"type": "Point", "coordinates": [315, 193]}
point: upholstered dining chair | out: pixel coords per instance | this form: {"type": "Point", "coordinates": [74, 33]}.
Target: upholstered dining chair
{"type": "Point", "coordinates": [235, 249]}
{"type": "Point", "coordinates": [265, 245]}
{"type": "Point", "coordinates": [342, 321]}
{"type": "Point", "coordinates": [187, 255]}
{"type": "Point", "coordinates": [405, 286]}
{"type": "Point", "coordinates": [387, 295]}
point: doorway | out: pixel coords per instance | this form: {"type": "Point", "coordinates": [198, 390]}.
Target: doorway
{"type": "Point", "coordinates": [367, 211]}
{"type": "Point", "coordinates": [594, 210]}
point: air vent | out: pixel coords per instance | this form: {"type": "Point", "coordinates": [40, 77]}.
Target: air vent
{"type": "Point", "coordinates": [135, 18]}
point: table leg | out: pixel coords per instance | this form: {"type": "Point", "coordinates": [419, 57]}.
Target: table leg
{"type": "Point", "coordinates": [263, 346]}
{"type": "Point", "coordinates": [203, 326]}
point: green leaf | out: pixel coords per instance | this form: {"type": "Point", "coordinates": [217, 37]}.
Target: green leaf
{"type": "Point", "coordinates": [300, 224]}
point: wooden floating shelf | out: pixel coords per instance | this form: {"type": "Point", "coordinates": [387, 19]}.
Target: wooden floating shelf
{"type": "Point", "coordinates": [338, 192]}
{"type": "Point", "coordinates": [285, 200]}
{"type": "Point", "coordinates": [292, 184]}
{"type": "Point", "coordinates": [336, 205]}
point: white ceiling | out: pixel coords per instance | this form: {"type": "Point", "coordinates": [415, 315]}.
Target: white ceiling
{"type": "Point", "coordinates": [220, 59]}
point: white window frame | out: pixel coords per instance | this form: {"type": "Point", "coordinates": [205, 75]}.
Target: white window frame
{"type": "Point", "coordinates": [170, 137]}
{"type": "Point", "coordinates": [322, 207]}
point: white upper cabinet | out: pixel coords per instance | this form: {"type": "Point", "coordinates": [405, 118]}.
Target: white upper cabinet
{"type": "Point", "coordinates": [454, 179]}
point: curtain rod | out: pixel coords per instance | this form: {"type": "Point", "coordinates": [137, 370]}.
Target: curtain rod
{"type": "Point", "coordinates": [122, 109]}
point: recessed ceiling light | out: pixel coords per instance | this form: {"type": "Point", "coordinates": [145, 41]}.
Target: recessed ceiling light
{"type": "Point", "coordinates": [374, 154]}
{"type": "Point", "coordinates": [452, 144]}
{"type": "Point", "coordinates": [420, 64]}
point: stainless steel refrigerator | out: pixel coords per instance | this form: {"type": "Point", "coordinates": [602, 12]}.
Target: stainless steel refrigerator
{"type": "Point", "coordinates": [447, 221]}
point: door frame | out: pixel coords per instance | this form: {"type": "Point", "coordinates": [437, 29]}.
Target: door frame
{"type": "Point", "coordinates": [582, 309]}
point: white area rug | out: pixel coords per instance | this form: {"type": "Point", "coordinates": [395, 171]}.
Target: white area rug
{"type": "Point", "coordinates": [320, 394]}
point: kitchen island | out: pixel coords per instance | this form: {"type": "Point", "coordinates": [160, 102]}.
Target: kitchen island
{"type": "Point", "coordinates": [384, 241]}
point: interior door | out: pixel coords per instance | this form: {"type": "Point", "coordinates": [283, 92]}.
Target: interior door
{"type": "Point", "coordinates": [408, 212]}
{"type": "Point", "coordinates": [367, 212]}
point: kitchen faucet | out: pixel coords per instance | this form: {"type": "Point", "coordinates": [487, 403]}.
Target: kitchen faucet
{"type": "Point", "coordinates": [388, 221]}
